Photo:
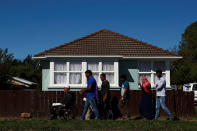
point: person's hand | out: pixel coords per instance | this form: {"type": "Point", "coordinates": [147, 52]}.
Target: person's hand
{"type": "Point", "coordinates": [82, 91]}
{"type": "Point", "coordinates": [105, 98]}
{"type": "Point", "coordinates": [64, 105]}
{"type": "Point", "coordinates": [122, 98]}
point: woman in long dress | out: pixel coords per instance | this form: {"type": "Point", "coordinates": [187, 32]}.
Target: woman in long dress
{"type": "Point", "coordinates": [146, 104]}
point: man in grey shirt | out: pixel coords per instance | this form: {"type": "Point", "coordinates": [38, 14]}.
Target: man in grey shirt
{"type": "Point", "coordinates": [161, 95]}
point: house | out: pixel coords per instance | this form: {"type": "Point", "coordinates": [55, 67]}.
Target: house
{"type": "Point", "coordinates": [103, 51]}
{"type": "Point", "coordinates": [21, 83]}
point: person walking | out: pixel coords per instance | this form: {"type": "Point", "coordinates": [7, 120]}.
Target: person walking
{"type": "Point", "coordinates": [125, 96]}
{"type": "Point", "coordinates": [161, 95]}
{"type": "Point", "coordinates": [105, 96]}
{"type": "Point", "coordinates": [146, 105]}
{"type": "Point", "coordinates": [91, 95]}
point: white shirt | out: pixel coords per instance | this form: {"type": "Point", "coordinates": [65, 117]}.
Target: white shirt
{"type": "Point", "coordinates": [122, 90]}
{"type": "Point", "coordinates": [161, 87]}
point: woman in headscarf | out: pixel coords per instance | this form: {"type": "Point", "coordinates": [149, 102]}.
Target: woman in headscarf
{"type": "Point", "coordinates": [146, 104]}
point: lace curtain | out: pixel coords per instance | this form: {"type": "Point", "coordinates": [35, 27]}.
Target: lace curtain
{"type": "Point", "coordinates": [75, 78]}
{"type": "Point", "coordinates": [60, 66]}
{"type": "Point", "coordinates": [108, 66]}
{"type": "Point", "coordinates": [60, 78]}
{"type": "Point", "coordinates": [75, 66]}
{"type": "Point", "coordinates": [145, 66]}
{"type": "Point", "coordinates": [110, 77]}
{"type": "Point", "coordinates": [93, 66]}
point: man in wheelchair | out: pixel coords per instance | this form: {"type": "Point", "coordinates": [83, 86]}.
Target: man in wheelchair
{"type": "Point", "coordinates": [64, 109]}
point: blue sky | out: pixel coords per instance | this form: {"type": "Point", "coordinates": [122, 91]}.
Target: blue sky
{"type": "Point", "coordinates": [31, 26]}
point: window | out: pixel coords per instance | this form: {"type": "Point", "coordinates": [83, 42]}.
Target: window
{"type": "Point", "coordinates": [144, 70]}
{"type": "Point", "coordinates": [106, 67]}
{"type": "Point", "coordinates": [60, 75]}
{"type": "Point", "coordinates": [148, 69]}
{"type": "Point", "coordinates": [73, 72]}
{"type": "Point", "coordinates": [195, 87]}
{"type": "Point", "coordinates": [94, 67]}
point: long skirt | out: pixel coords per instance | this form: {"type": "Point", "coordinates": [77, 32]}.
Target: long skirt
{"type": "Point", "coordinates": [146, 106]}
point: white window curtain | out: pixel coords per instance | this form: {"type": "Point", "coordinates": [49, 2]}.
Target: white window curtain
{"type": "Point", "coordinates": [75, 66]}
{"type": "Point", "coordinates": [159, 65]}
{"type": "Point", "coordinates": [60, 78]}
{"type": "Point", "coordinates": [60, 66]}
{"type": "Point", "coordinates": [93, 66]}
{"type": "Point", "coordinates": [110, 77]}
{"type": "Point", "coordinates": [144, 66]}
{"type": "Point", "coordinates": [108, 66]}
{"type": "Point", "coordinates": [75, 77]}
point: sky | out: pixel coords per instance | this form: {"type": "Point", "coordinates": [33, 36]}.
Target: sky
{"type": "Point", "coordinates": [32, 26]}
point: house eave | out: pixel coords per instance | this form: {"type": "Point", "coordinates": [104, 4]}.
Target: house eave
{"type": "Point", "coordinates": [108, 56]}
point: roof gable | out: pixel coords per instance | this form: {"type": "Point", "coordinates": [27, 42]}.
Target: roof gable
{"type": "Point", "coordinates": [106, 42]}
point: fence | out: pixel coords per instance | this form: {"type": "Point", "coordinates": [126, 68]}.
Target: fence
{"type": "Point", "coordinates": [12, 103]}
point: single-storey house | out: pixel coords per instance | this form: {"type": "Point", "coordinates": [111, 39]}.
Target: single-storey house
{"type": "Point", "coordinates": [103, 52]}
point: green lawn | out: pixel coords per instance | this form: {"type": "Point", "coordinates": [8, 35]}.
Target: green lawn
{"type": "Point", "coordinates": [185, 124]}
{"type": "Point", "coordinates": [135, 125]}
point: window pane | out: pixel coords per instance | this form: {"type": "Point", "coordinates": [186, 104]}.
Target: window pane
{"type": "Point", "coordinates": [60, 78]}
{"type": "Point", "coordinates": [108, 66]}
{"type": "Point", "coordinates": [148, 76]}
{"type": "Point", "coordinates": [155, 77]}
{"type": "Point", "coordinates": [144, 66]}
{"type": "Point", "coordinates": [159, 65]}
{"type": "Point", "coordinates": [60, 66]}
{"type": "Point", "coordinates": [75, 66]}
{"type": "Point", "coordinates": [96, 77]}
{"type": "Point", "coordinates": [93, 66]}
{"type": "Point", "coordinates": [110, 77]}
{"type": "Point", "coordinates": [75, 78]}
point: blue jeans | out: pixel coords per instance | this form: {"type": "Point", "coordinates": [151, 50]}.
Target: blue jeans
{"type": "Point", "coordinates": [90, 101]}
{"type": "Point", "coordinates": [161, 102]}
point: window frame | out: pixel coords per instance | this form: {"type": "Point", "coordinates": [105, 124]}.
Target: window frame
{"type": "Point", "coordinates": [153, 73]}
{"type": "Point", "coordinates": [84, 64]}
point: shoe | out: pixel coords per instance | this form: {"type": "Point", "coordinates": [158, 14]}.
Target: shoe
{"type": "Point", "coordinates": [169, 119]}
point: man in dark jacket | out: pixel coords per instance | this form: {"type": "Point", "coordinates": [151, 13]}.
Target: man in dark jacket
{"type": "Point", "coordinates": [105, 96]}
{"type": "Point", "coordinates": [69, 98]}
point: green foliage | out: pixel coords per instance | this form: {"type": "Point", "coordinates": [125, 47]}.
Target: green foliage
{"type": "Point", "coordinates": [185, 70]}
{"type": "Point", "coordinates": [10, 67]}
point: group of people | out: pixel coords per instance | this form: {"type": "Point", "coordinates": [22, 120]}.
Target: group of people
{"type": "Point", "coordinates": [101, 105]}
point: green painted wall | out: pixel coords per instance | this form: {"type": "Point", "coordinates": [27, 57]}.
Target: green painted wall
{"type": "Point", "coordinates": [45, 75]}
{"type": "Point", "coordinates": [129, 68]}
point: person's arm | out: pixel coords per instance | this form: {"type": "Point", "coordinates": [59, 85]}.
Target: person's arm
{"type": "Point", "coordinates": [147, 89]}
{"type": "Point", "coordinates": [106, 91]}
{"type": "Point", "coordinates": [126, 87]}
{"type": "Point", "coordinates": [86, 90]}
{"type": "Point", "coordinates": [160, 84]}
{"type": "Point", "coordinates": [125, 91]}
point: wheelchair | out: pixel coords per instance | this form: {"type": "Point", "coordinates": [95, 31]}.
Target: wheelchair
{"type": "Point", "coordinates": [57, 110]}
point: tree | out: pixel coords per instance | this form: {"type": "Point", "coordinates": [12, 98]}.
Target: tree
{"type": "Point", "coordinates": [185, 70]}
{"type": "Point", "coordinates": [11, 67]}
{"type": "Point", "coordinates": [5, 66]}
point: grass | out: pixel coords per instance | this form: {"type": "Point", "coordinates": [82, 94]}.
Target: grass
{"type": "Point", "coordinates": [12, 124]}
{"type": "Point", "coordinates": [134, 125]}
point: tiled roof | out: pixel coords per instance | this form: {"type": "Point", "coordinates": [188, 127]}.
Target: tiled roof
{"type": "Point", "coordinates": [105, 42]}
